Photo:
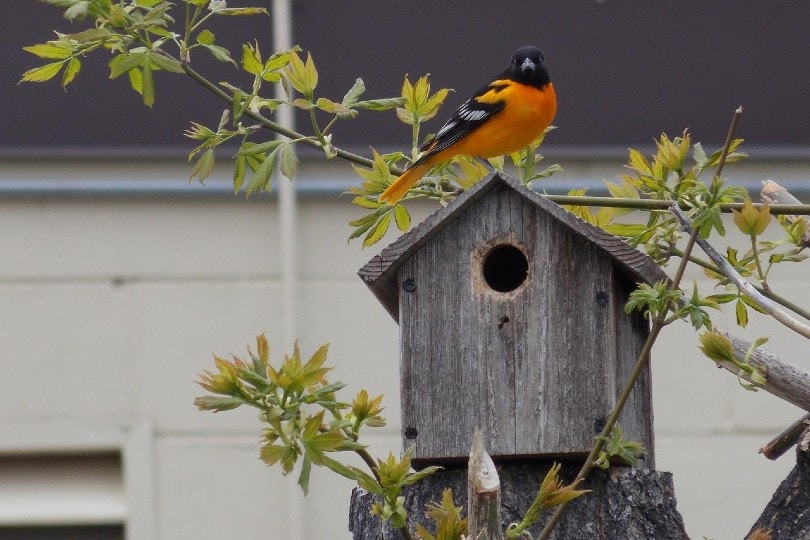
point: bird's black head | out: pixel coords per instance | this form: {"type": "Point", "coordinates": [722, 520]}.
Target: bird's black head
{"type": "Point", "coordinates": [528, 66]}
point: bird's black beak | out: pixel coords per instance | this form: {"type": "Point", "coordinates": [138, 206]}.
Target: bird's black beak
{"type": "Point", "coordinates": [528, 65]}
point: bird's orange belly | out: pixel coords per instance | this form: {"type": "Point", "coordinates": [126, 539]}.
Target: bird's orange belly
{"type": "Point", "coordinates": [519, 124]}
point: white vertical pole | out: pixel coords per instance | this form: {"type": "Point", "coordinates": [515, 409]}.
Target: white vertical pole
{"type": "Point", "coordinates": [281, 12]}
{"type": "Point", "coordinates": [282, 39]}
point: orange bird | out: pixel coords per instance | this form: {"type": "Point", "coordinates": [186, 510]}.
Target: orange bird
{"type": "Point", "coordinates": [504, 116]}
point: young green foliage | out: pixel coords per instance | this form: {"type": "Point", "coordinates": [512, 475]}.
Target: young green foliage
{"type": "Point", "coordinates": [552, 493]}
{"type": "Point", "coordinates": [306, 424]}
{"type": "Point", "coordinates": [144, 36]}
{"type": "Point", "coordinates": [447, 520]}
{"type": "Point", "coordinates": [394, 474]}
{"type": "Point", "coordinates": [717, 347]}
{"type": "Point", "coordinates": [617, 448]}
{"type": "Point", "coordinates": [294, 400]}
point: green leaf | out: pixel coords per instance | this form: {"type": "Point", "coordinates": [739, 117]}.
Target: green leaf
{"type": "Point", "coordinates": [91, 34]}
{"type": "Point", "coordinates": [52, 50]}
{"type": "Point", "coordinates": [124, 63]}
{"type": "Point", "coordinates": [239, 173]}
{"type": "Point", "coordinates": [747, 218]}
{"type": "Point", "coordinates": [164, 62]}
{"type": "Point", "coordinates": [217, 403]}
{"type": "Point", "coordinates": [251, 60]}
{"type": "Point", "coordinates": [402, 217]}
{"type": "Point", "coordinates": [354, 93]}
{"type": "Point", "coordinates": [303, 477]}
{"type": "Point", "coordinates": [365, 202]}
{"type": "Point", "coordinates": [148, 85]}
{"type": "Point", "coordinates": [42, 73]}
{"type": "Point", "coordinates": [329, 106]}
{"type": "Point", "coordinates": [78, 10]}
{"type": "Point", "coordinates": [363, 224]}
{"type": "Point", "coordinates": [240, 11]}
{"type": "Point", "coordinates": [742, 314]}
{"type": "Point", "coordinates": [72, 69]}
{"type": "Point", "coordinates": [699, 155]}
{"type": "Point", "coordinates": [383, 104]}
{"type": "Point", "coordinates": [624, 230]}
{"type": "Point", "coordinates": [366, 481]}
{"type": "Point", "coordinates": [135, 80]}
{"type": "Point", "coordinates": [251, 149]}
{"type": "Point", "coordinates": [302, 75]}
{"type": "Point", "coordinates": [204, 166]}
{"type": "Point", "coordinates": [206, 37]}
{"type": "Point", "coordinates": [639, 163]}
{"type": "Point", "coordinates": [289, 161]}
{"type": "Point", "coordinates": [261, 177]}
{"type": "Point", "coordinates": [716, 347]}
{"type": "Point", "coordinates": [378, 231]}
{"type": "Point", "coordinates": [416, 476]}
{"type": "Point", "coordinates": [276, 62]}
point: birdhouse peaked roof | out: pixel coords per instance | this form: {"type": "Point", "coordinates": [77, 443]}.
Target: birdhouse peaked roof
{"type": "Point", "coordinates": [380, 273]}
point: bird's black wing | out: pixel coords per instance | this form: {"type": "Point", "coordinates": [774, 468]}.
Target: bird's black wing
{"type": "Point", "coordinates": [464, 121]}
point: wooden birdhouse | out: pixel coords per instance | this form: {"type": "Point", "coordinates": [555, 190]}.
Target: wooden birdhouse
{"type": "Point", "coordinates": [511, 316]}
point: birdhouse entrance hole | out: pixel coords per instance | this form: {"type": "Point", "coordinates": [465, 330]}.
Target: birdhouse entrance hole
{"type": "Point", "coordinates": [505, 268]}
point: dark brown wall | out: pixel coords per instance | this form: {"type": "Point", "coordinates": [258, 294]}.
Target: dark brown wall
{"type": "Point", "coordinates": [624, 71]}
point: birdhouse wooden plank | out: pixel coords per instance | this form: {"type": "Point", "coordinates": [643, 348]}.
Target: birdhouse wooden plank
{"type": "Point", "coordinates": [511, 319]}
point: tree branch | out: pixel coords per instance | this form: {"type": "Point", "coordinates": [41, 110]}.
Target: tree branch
{"type": "Point", "coordinates": [274, 126]}
{"type": "Point", "coordinates": [784, 379]}
{"type": "Point", "coordinates": [785, 440]}
{"type": "Point", "coordinates": [765, 303]}
{"type": "Point", "coordinates": [659, 204]}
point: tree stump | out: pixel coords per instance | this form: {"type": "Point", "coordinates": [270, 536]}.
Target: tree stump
{"type": "Point", "coordinates": [787, 515]}
{"type": "Point", "coordinates": [626, 503]}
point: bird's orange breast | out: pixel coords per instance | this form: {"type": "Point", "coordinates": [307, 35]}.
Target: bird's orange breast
{"type": "Point", "coordinates": [528, 112]}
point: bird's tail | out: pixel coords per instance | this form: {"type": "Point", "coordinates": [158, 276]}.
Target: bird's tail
{"type": "Point", "coordinates": [401, 185]}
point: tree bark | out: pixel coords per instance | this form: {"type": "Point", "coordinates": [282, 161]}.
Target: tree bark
{"type": "Point", "coordinates": [632, 504]}
{"type": "Point", "coordinates": [787, 515]}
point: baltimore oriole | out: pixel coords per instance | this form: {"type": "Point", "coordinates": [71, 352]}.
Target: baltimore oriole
{"type": "Point", "coordinates": [504, 116]}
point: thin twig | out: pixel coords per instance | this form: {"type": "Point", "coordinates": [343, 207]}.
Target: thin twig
{"type": "Point", "coordinates": [659, 204]}
{"type": "Point", "coordinates": [274, 126]}
{"type": "Point", "coordinates": [792, 306]}
{"type": "Point", "coordinates": [727, 146]}
{"type": "Point", "coordinates": [786, 439]}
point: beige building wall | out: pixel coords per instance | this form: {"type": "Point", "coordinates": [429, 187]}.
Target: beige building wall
{"type": "Point", "coordinates": [119, 280]}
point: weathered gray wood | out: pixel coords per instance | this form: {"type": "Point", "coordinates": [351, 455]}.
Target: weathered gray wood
{"type": "Point", "coordinates": [787, 515]}
{"type": "Point", "coordinates": [538, 368]}
{"type": "Point", "coordinates": [483, 494]}
{"type": "Point", "coordinates": [784, 379]}
{"type": "Point", "coordinates": [380, 272]}
{"type": "Point", "coordinates": [627, 504]}
{"type": "Point", "coordinates": [636, 419]}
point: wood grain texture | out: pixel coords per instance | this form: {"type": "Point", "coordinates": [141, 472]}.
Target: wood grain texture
{"type": "Point", "coordinates": [538, 369]}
